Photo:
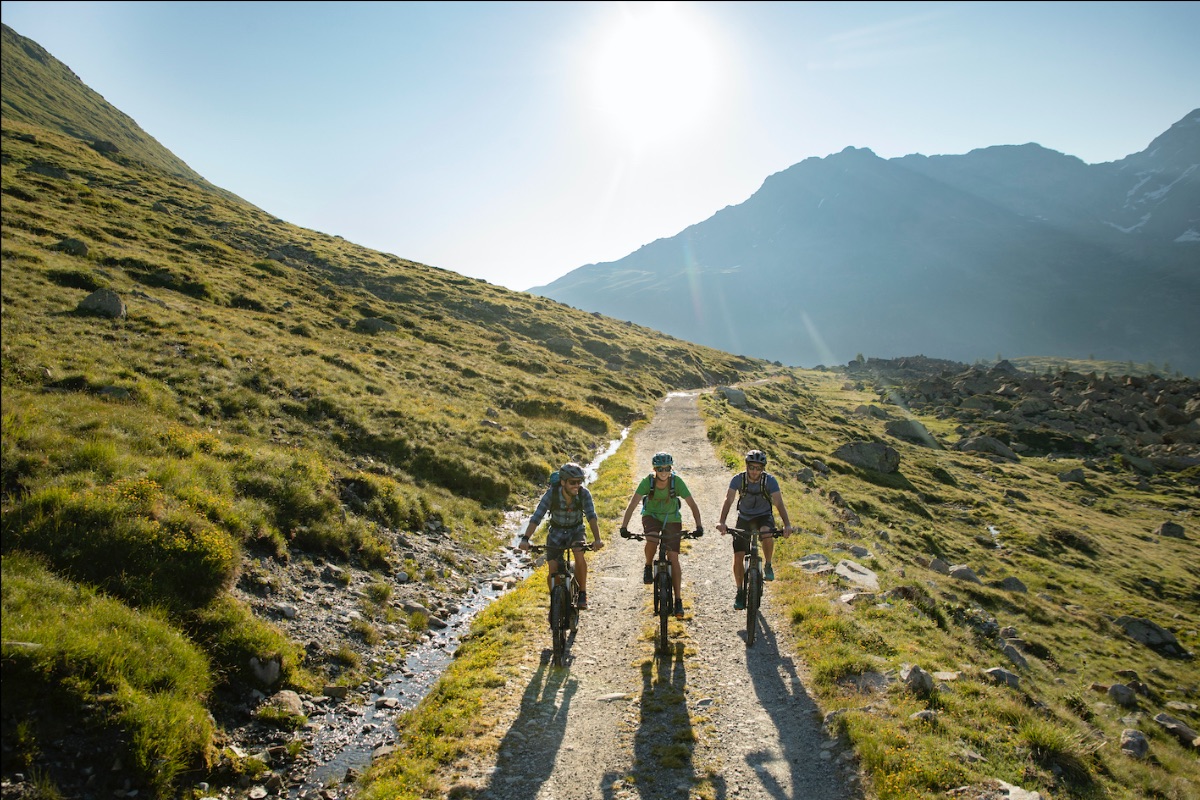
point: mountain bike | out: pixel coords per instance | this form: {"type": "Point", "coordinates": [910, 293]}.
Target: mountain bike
{"type": "Point", "coordinates": [752, 578]}
{"type": "Point", "coordinates": [564, 597]}
{"type": "Point", "coordinates": [663, 586]}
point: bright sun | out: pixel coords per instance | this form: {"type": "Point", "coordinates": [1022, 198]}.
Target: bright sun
{"type": "Point", "coordinates": [654, 75]}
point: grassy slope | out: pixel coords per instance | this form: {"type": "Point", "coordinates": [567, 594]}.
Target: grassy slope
{"type": "Point", "coordinates": [1086, 554]}
{"type": "Point", "coordinates": [239, 411]}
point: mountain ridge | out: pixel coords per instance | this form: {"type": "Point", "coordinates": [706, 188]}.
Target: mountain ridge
{"type": "Point", "coordinates": [1016, 249]}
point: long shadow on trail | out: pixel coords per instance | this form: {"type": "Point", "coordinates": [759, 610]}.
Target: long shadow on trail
{"type": "Point", "coordinates": [530, 747]}
{"type": "Point", "coordinates": [782, 696]}
{"type": "Point", "coordinates": [665, 741]}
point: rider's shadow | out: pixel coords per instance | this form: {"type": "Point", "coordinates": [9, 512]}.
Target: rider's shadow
{"type": "Point", "coordinates": [782, 696]}
{"type": "Point", "coordinates": [530, 748]}
{"type": "Point", "coordinates": [665, 742]}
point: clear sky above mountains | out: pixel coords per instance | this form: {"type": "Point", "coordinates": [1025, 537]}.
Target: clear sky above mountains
{"type": "Point", "coordinates": [515, 142]}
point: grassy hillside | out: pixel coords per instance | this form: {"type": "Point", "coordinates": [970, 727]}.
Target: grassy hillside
{"type": "Point", "coordinates": [268, 392]}
{"type": "Point", "coordinates": [1087, 555]}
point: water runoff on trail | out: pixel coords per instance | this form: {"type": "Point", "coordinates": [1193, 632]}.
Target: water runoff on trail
{"type": "Point", "coordinates": [346, 738]}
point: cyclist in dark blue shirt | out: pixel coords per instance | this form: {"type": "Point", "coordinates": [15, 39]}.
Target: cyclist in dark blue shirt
{"type": "Point", "coordinates": [759, 491]}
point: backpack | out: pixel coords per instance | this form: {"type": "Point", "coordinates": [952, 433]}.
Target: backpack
{"type": "Point", "coordinates": [762, 489]}
{"type": "Point", "coordinates": [555, 496]}
{"type": "Point", "coordinates": [670, 489]}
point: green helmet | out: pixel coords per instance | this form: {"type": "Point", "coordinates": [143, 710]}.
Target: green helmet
{"type": "Point", "coordinates": [663, 460]}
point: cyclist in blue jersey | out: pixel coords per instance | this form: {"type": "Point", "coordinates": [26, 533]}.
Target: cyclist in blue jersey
{"type": "Point", "coordinates": [756, 491]}
{"type": "Point", "coordinates": [568, 503]}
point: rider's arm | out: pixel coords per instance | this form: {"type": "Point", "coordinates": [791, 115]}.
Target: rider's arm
{"type": "Point", "coordinates": [633, 503]}
{"type": "Point", "coordinates": [539, 513]}
{"type": "Point", "coordinates": [729, 495]}
{"type": "Point", "coordinates": [777, 499]}
{"type": "Point", "coordinates": [695, 512]}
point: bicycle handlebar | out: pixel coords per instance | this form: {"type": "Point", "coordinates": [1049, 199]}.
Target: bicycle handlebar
{"type": "Point", "coordinates": [643, 536]}
{"type": "Point", "coordinates": [744, 533]}
{"type": "Point", "coordinates": [541, 548]}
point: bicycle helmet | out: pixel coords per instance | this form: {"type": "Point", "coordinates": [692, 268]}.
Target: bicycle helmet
{"type": "Point", "coordinates": [571, 470]}
{"type": "Point", "coordinates": [663, 460]}
{"type": "Point", "coordinates": [756, 457]}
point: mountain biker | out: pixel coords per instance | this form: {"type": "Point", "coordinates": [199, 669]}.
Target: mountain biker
{"type": "Point", "coordinates": [759, 491]}
{"type": "Point", "coordinates": [663, 490]}
{"type": "Point", "coordinates": [568, 504]}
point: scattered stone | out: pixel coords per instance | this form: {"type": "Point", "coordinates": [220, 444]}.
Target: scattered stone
{"type": "Point", "coordinates": [1134, 743]}
{"type": "Point", "coordinates": [104, 303]}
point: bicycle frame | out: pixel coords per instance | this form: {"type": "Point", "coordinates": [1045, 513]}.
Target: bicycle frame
{"type": "Point", "coordinates": [564, 598]}
{"type": "Point", "coordinates": [663, 587]}
{"type": "Point", "coordinates": [752, 577]}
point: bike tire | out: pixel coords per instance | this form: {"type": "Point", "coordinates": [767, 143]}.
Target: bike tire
{"type": "Point", "coordinates": [665, 609]}
{"type": "Point", "coordinates": [753, 587]}
{"type": "Point", "coordinates": [558, 624]}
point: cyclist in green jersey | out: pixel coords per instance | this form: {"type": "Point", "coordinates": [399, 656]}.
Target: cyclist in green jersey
{"type": "Point", "coordinates": [661, 495]}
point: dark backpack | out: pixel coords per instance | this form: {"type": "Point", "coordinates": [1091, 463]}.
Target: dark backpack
{"type": "Point", "coordinates": [555, 495]}
{"type": "Point", "coordinates": [670, 488]}
{"type": "Point", "coordinates": [762, 489]}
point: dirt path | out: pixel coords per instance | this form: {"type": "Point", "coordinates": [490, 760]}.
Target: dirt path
{"type": "Point", "coordinates": [715, 719]}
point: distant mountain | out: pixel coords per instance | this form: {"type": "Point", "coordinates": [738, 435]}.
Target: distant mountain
{"type": "Point", "coordinates": [1017, 250]}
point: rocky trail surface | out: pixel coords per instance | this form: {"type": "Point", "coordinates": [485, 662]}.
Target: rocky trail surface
{"type": "Point", "coordinates": [713, 718]}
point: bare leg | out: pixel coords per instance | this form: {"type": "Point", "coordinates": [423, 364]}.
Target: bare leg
{"type": "Point", "coordinates": [676, 577]}
{"type": "Point", "coordinates": [768, 546]}
{"type": "Point", "coordinates": [581, 570]}
{"type": "Point", "coordinates": [739, 569]}
{"type": "Point", "coordinates": [651, 544]}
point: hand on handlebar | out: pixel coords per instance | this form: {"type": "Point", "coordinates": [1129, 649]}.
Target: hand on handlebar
{"type": "Point", "coordinates": [699, 531]}
{"type": "Point", "coordinates": [625, 534]}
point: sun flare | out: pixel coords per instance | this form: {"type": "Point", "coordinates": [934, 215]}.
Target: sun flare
{"type": "Point", "coordinates": [654, 74]}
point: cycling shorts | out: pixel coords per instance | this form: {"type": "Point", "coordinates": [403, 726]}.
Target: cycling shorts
{"type": "Point", "coordinates": [559, 539]}
{"type": "Point", "coordinates": [671, 532]}
{"type": "Point", "coordinates": [741, 544]}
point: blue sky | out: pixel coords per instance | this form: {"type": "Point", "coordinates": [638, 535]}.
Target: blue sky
{"type": "Point", "coordinates": [515, 142]}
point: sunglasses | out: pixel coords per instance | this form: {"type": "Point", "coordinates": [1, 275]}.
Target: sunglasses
{"type": "Point", "coordinates": [754, 468]}
{"type": "Point", "coordinates": [574, 481]}
{"type": "Point", "coordinates": [662, 469]}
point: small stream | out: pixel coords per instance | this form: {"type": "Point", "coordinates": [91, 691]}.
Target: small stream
{"type": "Point", "coordinates": [346, 737]}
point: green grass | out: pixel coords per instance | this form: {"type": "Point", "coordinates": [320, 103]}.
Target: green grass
{"type": "Point", "coordinates": [238, 411]}
{"type": "Point", "coordinates": [107, 667]}
{"type": "Point", "coordinates": [1071, 547]}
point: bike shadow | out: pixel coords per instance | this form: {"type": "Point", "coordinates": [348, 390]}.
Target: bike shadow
{"type": "Point", "coordinates": [782, 696]}
{"type": "Point", "coordinates": [529, 749]}
{"type": "Point", "coordinates": [665, 742]}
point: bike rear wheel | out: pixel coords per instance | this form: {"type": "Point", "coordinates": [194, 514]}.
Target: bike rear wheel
{"type": "Point", "coordinates": [559, 610]}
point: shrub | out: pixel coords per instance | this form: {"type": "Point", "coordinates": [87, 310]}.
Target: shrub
{"type": "Point", "coordinates": [128, 538]}
{"type": "Point", "coordinates": [108, 665]}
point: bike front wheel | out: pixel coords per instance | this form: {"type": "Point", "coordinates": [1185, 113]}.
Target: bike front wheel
{"type": "Point", "coordinates": [753, 596]}
{"type": "Point", "coordinates": [665, 608]}
{"type": "Point", "coordinates": [559, 623]}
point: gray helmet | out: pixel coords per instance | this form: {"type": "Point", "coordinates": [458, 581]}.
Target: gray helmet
{"type": "Point", "coordinates": [756, 457]}
{"type": "Point", "coordinates": [571, 470]}
{"type": "Point", "coordinates": [663, 460]}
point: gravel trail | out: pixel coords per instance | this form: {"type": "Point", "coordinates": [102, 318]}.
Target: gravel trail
{"type": "Point", "coordinates": [713, 719]}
